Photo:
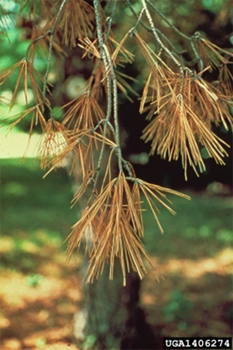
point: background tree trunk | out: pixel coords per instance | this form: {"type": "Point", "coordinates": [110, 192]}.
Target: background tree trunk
{"type": "Point", "coordinates": [111, 317]}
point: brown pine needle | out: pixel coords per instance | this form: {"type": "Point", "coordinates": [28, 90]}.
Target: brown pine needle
{"type": "Point", "coordinates": [77, 21]}
{"type": "Point", "coordinates": [116, 225]}
{"type": "Point", "coordinates": [84, 112]}
{"type": "Point", "coordinates": [53, 142]}
{"type": "Point", "coordinates": [184, 120]}
{"type": "Point", "coordinates": [212, 54]}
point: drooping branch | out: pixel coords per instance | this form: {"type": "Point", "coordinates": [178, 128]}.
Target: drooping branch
{"type": "Point", "coordinates": [111, 79]}
{"type": "Point", "coordinates": [180, 105]}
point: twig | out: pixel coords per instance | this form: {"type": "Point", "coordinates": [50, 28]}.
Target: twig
{"type": "Point", "coordinates": [110, 18]}
{"type": "Point", "coordinates": [51, 32]}
{"type": "Point", "coordinates": [191, 39]}
{"type": "Point", "coordinates": [108, 63]}
{"type": "Point", "coordinates": [109, 92]}
{"type": "Point", "coordinates": [156, 35]}
{"type": "Point", "coordinates": [150, 30]}
{"type": "Point", "coordinates": [115, 108]}
{"type": "Point", "coordinates": [167, 21]}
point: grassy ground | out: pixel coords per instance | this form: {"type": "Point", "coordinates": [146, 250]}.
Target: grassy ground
{"type": "Point", "coordinates": [40, 293]}
{"type": "Point", "coordinates": [195, 260]}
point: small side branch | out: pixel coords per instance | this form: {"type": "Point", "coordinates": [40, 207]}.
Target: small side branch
{"type": "Point", "coordinates": [51, 32]}
{"type": "Point", "coordinates": [110, 79]}
{"type": "Point", "coordinates": [154, 31]}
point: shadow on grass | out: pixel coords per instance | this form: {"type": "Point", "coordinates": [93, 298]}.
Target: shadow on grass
{"type": "Point", "coordinates": [190, 307]}
{"type": "Point", "coordinates": [202, 228]}
{"type": "Point", "coordinates": [36, 215]}
{"type": "Point", "coordinates": [30, 202]}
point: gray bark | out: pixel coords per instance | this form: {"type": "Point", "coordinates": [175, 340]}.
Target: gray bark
{"type": "Point", "coordinates": [106, 317]}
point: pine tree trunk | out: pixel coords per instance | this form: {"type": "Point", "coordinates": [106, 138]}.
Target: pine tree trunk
{"type": "Point", "coordinates": [108, 314]}
{"type": "Point", "coordinates": [111, 318]}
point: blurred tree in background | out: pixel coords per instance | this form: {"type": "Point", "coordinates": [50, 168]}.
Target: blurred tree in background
{"type": "Point", "coordinates": [80, 72]}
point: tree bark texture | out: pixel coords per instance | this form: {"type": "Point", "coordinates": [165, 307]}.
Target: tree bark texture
{"type": "Point", "coordinates": [110, 315]}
